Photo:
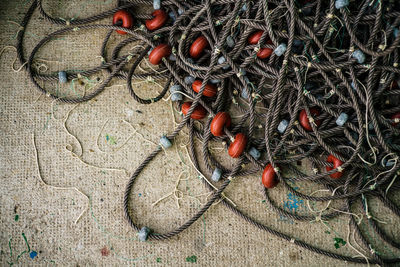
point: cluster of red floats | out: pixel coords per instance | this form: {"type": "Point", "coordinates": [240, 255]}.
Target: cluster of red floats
{"type": "Point", "coordinates": [222, 119]}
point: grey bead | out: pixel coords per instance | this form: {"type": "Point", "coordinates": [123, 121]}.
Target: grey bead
{"type": "Point", "coordinates": [215, 81]}
{"type": "Point", "coordinates": [342, 119]}
{"type": "Point", "coordinates": [62, 77]}
{"type": "Point", "coordinates": [216, 175]}
{"type": "Point", "coordinates": [156, 4]}
{"type": "Point", "coordinates": [244, 7]}
{"type": "Point", "coordinates": [148, 53]}
{"type": "Point", "coordinates": [221, 60]}
{"type": "Point", "coordinates": [341, 3]}
{"type": "Point", "coordinates": [172, 57]}
{"type": "Point", "coordinates": [175, 96]}
{"type": "Point", "coordinates": [172, 16]}
{"type": "Point", "coordinates": [189, 79]}
{"type": "Point", "coordinates": [254, 153]}
{"type": "Point", "coordinates": [282, 126]}
{"type": "Point", "coordinates": [396, 32]}
{"type": "Point", "coordinates": [280, 50]}
{"type": "Point", "coordinates": [165, 142]}
{"type": "Point", "coordinates": [359, 55]}
{"type": "Point", "coordinates": [174, 88]}
{"type": "Point", "coordinates": [230, 42]}
{"type": "Point", "coordinates": [144, 233]}
{"type": "Point", "coordinates": [180, 11]}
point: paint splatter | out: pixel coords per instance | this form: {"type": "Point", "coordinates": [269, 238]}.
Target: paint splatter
{"type": "Point", "coordinates": [339, 241]}
{"type": "Point", "coordinates": [33, 254]}
{"type": "Point", "coordinates": [158, 260]}
{"type": "Point", "coordinates": [16, 218]}
{"type": "Point", "coordinates": [192, 259]}
{"type": "Point", "coordinates": [105, 252]}
{"type": "Point", "coordinates": [111, 139]}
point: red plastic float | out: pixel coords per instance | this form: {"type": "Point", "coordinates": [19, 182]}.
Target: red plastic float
{"type": "Point", "coordinates": [237, 147]}
{"type": "Point", "coordinates": [221, 120]}
{"type": "Point", "coordinates": [336, 163]}
{"type": "Point", "coordinates": [125, 17]}
{"type": "Point", "coordinates": [198, 113]}
{"type": "Point", "coordinates": [315, 112]}
{"type": "Point", "coordinates": [160, 51]}
{"type": "Point", "coordinates": [158, 20]}
{"type": "Point", "coordinates": [210, 90]}
{"type": "Point", "coordinates": [395, 116]}
{"type": "Point", "coordinates": [254, 39]}
{"type": "Point", "coordinates": [198, 46]}
{"type": "Point", "coordinates": [269, 177]}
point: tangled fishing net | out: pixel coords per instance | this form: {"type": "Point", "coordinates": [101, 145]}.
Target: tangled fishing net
{"type": "Point", "coordinates": [319, 78]}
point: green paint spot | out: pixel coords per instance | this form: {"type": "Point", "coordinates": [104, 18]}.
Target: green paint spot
{"type": "Point", "coordinates": [263, 201]}
{"type": "Point", "coordinates": [111, 139]}
{"type": "Point", "coordinates": [327, 232]}
{"type": "Point", "coordinates": [158, 259]}
{"type": "Point", "coordinates": [339, 241]}
{"type": "Point", "coordinates": [16, 218]}
{"type": "Point", "coordinates": [191, 259]}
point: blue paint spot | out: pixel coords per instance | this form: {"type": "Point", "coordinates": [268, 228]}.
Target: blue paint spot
{"type": "Point", "coordinates": [140, 194]}
{"type": "Point", "coordinates": [33, 254]}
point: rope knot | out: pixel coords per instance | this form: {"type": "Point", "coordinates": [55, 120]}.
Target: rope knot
{"type": "Point", "coordinates": [315, 170]}
{"type": "Point", "coordinates": [340, 169]}
{"type": "Point", "coordinates": [276, 169]}
{"type": "Point", "coordinates": [329, 16]}
{"type": "Point", "coordinates": [75, 29]}
{"type": "Point", "coordinates": [183, 37]}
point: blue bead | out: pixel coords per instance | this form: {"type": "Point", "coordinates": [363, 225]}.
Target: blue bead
{"type": "Point", "coordinates": [230, 42]}
{"type": "Point", "coordinates": [180, 11]}
{"type": "Point", "coordinates": [280, 50]}
{"type": "Point", "coordinates": [396, 32]}
{"type": "Point", "coordinates": [215, 81]}
{"type": "Point", "coordinates": [148, 53]}
{"type": "Point", "coordinates": [172, 16]}
{"type": "Point", "coordinates": [216, 175]}
{"type": "Point", "coordinates": [221, 60]}
{"type": "Point", "coordinates": [175, 96]}
{"type": "Point", "coordinates": [144, 233]}
{"type": "Point", "coordinates": [244, 93]}
{"type": "Point", "coordinates": [353, 86]}
{"type": "Point", "coordinates": [172, 57]}
{"type": "Point", "coordinates": [244, 7]}
{"type": "Point", "coordinates": [341, 3]}
{"type": "Point", "coordinates": [62, 77]}
{"type": "Point", "coordinates": [359, 55]}
{"type": "Point", "coordinates": [164, 141]}
{"type": "Point", "coordinates": [189, 79]}
{"type": "Point", "coordinates": [297, 42]}
{"type": "Point", "coordinates": [282, 126]}
{"type": "Point", "coordinates": [342, 119]}
{"type": "Point", "coordinates": [156, 4]}
{"type": "Point", "coordinates": [254, 153]}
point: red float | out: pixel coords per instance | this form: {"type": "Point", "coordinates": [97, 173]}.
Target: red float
{"type": "Point", "coordinates": [315, 112]}
{"type": "Point", "coordinates": [221, 120]}
{"type": "Point", "coordinates": [198, 46]}
{"type": "Point", "coordinates": [336, 163]}
{"type": "Point", "coordinates": [125, 17]}
{"type": "Point", "coordinates": [237, 147]}
{"type": "Point", "coordinates": [198, 113]}
{"type": "Point", "coordinates": [263, 52]}
{"type": "Point", "coordinates": [269, 177]}
{"type": "Point", "coordinates": [209, 90]}
{"type": "Point", "coordinates": [160, 51]}
{"type": "Point", "coordinates": [158, 20]}
{"type": "Point", "coordinates": [255, 37]}
{"type": "Point", "coordinates": [395, 116]}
